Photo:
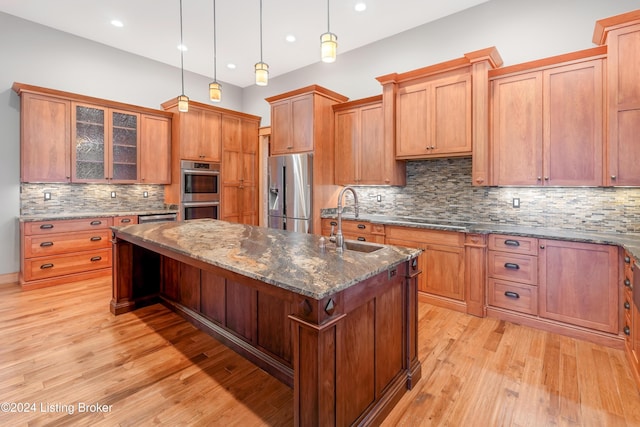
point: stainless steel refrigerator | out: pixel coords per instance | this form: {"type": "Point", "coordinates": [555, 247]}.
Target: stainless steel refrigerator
{"type": "Point", "coordinates": [290, 186]}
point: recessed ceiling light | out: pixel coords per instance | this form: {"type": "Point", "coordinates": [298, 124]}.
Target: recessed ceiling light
{"type": "Point", "coordinates": [290, 38]}
{"type": "Point", "coordinates": [231, 66]}
{"type": "Point", "coordinates": [183, 47]}
{"type": "Point", "coordinates": [360, 6]}
{"type": "Point", "coordinates": [117, 23]}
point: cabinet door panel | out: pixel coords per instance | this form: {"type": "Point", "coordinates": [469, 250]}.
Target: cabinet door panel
{"type": "Point", "coordinates": [302, 123]}
{"type": "Point", "coordinates": [45, 139]}
{"type": "Point", "coordinates": [444, 271]}
{"type": "Point", "coordinates": [280, 127]}
{"type": "Point", "coordinates": [412, 121]}
{"type": "Point", "coordinates": [346, 123]}
{"type": "Point", "coordinates": [211, 138]}
{"type": "Point", "coordinates": [452, 116]}
{"type": "Point", "coordinates": [89, 151]}
{"type": "Point", "coordinates": [517, 130]}
{"type": "Point", "coordinates": [371, 149]}
{"type": "Point", "coordinates": [573, 131]}
{"type": "Point", "coordinates": [578, 284]}
{"type": "Point", "coordinates": [155, 150]}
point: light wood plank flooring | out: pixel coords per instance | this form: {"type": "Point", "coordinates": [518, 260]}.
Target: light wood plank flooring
{"type": "Point", "coordinates": [60, 347]}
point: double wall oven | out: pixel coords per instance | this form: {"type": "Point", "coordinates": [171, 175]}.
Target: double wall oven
{"type": "Point", "coordinates": [199, 190]}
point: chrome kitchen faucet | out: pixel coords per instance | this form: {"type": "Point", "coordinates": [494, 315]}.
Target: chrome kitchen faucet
{"type": "Point", "coordinates": [339, 238]}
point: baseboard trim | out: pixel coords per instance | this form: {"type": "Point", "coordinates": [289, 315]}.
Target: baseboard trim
{"type": "Point", "coordinates": [9, 279]}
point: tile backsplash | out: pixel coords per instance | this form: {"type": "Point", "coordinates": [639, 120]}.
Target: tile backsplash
{"type": "Point", "coordinates": [441, 189]}
{"type": "Point", "coordinates": [72, 198]}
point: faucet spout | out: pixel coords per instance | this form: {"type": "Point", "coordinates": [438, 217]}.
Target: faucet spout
{"type": "Point", "coordinates": [339, 236]}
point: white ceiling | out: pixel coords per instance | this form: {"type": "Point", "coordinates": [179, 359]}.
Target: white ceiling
{"type": "Point", "coordinates": [152, 28]}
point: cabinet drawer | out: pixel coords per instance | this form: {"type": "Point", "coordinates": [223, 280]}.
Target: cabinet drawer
{"type": "Point", "coordinates": [513, 296]}
{"type": "Point", "coordinates": [66, 226]}
{"type": "Point", "coordinates": [421, 235]}
{"type": "Point", "coordinates": [514, 244]}
{"type": "Point", "coordinates": [125, 220]}
{"type": "Point", "coordinates": [513, 267]}
{"type": "Point", "coordinates": [46, 267]}
{"type": "Point", "coordinates": [39, 245]}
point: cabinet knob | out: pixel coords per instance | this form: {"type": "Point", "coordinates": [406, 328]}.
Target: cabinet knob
{"type": "Point", "coordinates": [627, 330]}
{"type": "Point", "coordinates": [541, 246]}
{"type": "Point", "coordinates": [627, 306]}
{"type": "Point", "coordinates": [479, 180]}
{"type": "Point", "coordinates": [546, 178]}
{"type": "Point", "coordinates": [613, 177]}
{"type": "Point", "coordinates": [539, 178]}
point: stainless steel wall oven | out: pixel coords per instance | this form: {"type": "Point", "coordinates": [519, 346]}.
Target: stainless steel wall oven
{"type": "Point", "coordinates": [199, 190]}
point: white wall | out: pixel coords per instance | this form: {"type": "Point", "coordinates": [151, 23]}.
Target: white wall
{"type": "Point", "coordinates": [522, 30]}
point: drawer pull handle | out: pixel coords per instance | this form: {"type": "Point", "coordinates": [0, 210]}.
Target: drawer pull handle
{"type": "Point", "coordinates": [45, 266]}
{"type": "Point", "coordinates": [46, 226]}
{"type": "Point", "coordinates": [627, 331]}
{"type": "Point", "coordinates": [362, 239]}
{"type": "Point", "coordinates": [511, 266]}
{"type": "Point", "coordinates": [510, 242]}
{"type": "Point", "coordinates": [96, 238]}
{"type": "Point", "coordinates": [96, 222]}
{"type": "Point", "coordinates": [96, 258]}
{"type": "Point", "coordinates": [125, 220]}
{"type": "Point", "coordinates": [627, 283]}
{"type": "Point", "coordinates": [627, 306]}
{"type": "Point", "coordinates": [362, 226]}
{"type": "Point", "coordinates": [510, 294]}
{"type": "Point", "coordinates": [46, 244]}
{"type": "Point", "coordinates": [335, 224]}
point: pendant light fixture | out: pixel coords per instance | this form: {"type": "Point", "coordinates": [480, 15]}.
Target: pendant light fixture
{"type": "Point", "coordinates": [215, 88]}
{"type": "Point", "coordinates": [328, 43]}
{"type": "Point", "coordinates": [183, 100]}
{"type": "Point", "coordinates": [262, 69]}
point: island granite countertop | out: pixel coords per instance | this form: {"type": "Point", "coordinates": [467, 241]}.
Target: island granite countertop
{"type": "Point", "coordinates": [293, 261]}
{"type": "Point", "coordinates": [629, 241]}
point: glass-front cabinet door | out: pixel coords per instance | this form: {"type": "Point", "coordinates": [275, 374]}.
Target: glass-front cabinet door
{"type": "Point", "coordinates": [105, 145]}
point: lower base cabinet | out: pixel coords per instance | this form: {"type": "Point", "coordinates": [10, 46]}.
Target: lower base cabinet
{"type": "Point", "coordinates": [442, 281]}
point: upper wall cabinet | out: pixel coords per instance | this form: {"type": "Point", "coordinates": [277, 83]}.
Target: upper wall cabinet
{"type": "Point", "coordinates": [302, 119]}
{"type": "Point", "coordinates": [621, 34]}
{"type": "Point", "coordinates": [547, 123]}
{"type": "Point", "coordinates": [73, 138]}
{"type": "Point", "coordinates": [440, 110]}
{"type": "Point", "coordinates": [198, 131]}
{"type": "Point", "coordinates": [363, 156]}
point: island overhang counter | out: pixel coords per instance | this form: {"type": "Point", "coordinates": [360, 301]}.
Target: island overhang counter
{"type": "Point", "coordinates": [340, 328]}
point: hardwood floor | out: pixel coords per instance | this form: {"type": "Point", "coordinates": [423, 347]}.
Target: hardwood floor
{"type": "Point", "coordinates": [60, 349]}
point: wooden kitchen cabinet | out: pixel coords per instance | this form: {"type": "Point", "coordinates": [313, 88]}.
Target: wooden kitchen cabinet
{"type": "Point", "coordinates": [578, 284]}
{"type": "Point", "coordinates": [239, 201]}
{"type": "Point", "coordinates": [362, 155]}
{"type": "Point", "coordinates": [442, 263]}
{"type": "Point", "coordinates": [621, 35]}
{"type": "Point", "coordinates": [538, 137]}
{"type": "Point", "coordinates": [155, 149]}
{"type": "Point", "coordinates": [199, 133]}
{"type": "Point", "coordinates": [45, 132]}
{"type": "Point", "coordinates": [62, 251]}
{"type": "Point", "coordinates": [66, 137]}
{"type": "Point", "coordinates": [439, 110]}
{"type": "Point", "coordinates": [292, 125]}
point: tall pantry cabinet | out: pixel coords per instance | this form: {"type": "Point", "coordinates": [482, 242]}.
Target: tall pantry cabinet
{"type": "Point", "coordinates": [621, 35]}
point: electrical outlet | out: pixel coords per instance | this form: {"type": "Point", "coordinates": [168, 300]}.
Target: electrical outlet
{"type": "Point", "coordinates": [113, 194]}
{"type": "Point", "coordinates": [516, 202]}
{"type": "Point", "coordinates": [145, 194]}
{"type": "Point", "coordinates": [47, 196]}
{"type": "Point", "coordinates": [379, 198]}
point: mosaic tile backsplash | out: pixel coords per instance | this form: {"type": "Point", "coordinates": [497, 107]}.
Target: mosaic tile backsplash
{"type": "Point", "coordinates": [441, 189]}
{"type": "Point", "coordinates": [78, 198]}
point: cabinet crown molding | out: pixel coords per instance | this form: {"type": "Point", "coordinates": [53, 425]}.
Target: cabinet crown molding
{"type": "Point", "coordinates": [603, 26]}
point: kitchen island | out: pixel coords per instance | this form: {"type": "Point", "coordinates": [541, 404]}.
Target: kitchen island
{"type": "Point", "coordinates": [339, 328]}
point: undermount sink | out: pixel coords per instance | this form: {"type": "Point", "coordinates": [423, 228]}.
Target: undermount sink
{"type": "Point", "coordinates": [360, 247]}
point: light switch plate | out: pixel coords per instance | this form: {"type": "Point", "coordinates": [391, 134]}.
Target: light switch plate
{"type": "Point", "coordinates": [113, 194]}
{"type": "Point", "coordinates": [47, 196]}
{"type": "Point", "coordinates": [516, 202]}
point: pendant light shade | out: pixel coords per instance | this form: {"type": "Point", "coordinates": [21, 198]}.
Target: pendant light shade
{"type": "Point", "coordinates": [261, 69]}
{"type": "Point", "coordinates": [328, 43]}
{"type": "Point", "coordinates": [183, 100]}
{"type": "Point", "coordinates": [262, 74]}
{"type": "Point", "coordinates": [215, 88]}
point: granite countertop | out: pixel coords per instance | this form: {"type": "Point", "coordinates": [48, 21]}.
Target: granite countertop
{"type": "Point", "coordinates": [629, 241]}
{"type": "Point", "coordinates": [101, 214]}
{"type": "Point", "coordinates": [293, 261]}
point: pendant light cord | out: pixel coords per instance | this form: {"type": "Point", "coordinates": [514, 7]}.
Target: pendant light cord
{"type": "Point", "coordinates": [261, 31]}
{"type": "Point", "coordinates": [181, 49]}
{"type": "Point", "coordinates": [215, 62]}
{"type": "Point", "coordinates": [328, 20]}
